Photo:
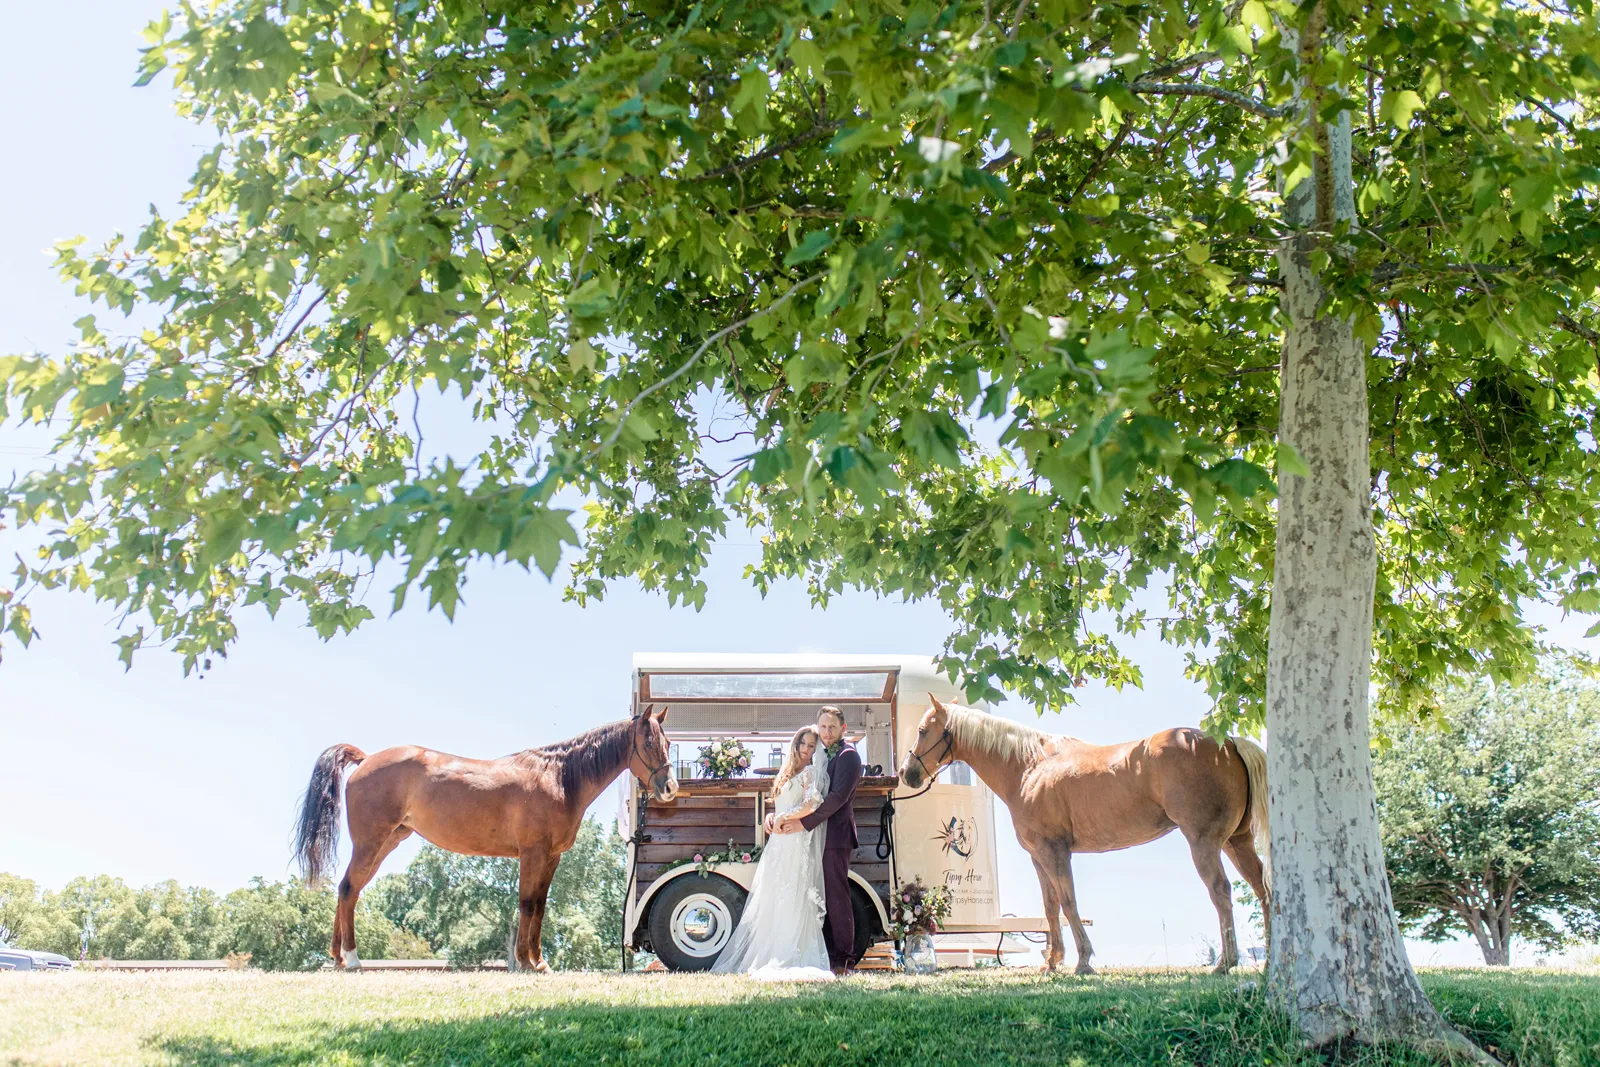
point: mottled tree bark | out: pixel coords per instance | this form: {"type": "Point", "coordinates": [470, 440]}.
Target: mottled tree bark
{"type": "Point", "coordinates": [1337, 959]}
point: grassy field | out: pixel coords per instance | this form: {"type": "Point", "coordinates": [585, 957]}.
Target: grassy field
{"type": "Point", "coordinates": [986, 1017]}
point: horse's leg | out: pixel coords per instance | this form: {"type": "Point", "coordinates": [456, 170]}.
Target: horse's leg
{"type": "Point", "coordinates": [1069, 904]}
{"type": "Point", "coordinates": [1208, 861]}
{"type": "Point", "coordinates": [1241, 849]}
{"type": "Point", "coordinates": [1057, 950]}
{"type": "Point", "coordinates": [1058, 862]}
{"type": "Point", "coordinates": [538, 867]}
{"type": "Point", "coordinates": [364, 864]}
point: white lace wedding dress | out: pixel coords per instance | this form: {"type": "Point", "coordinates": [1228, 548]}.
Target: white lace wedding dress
{"type": "Point", "coordinates": [779, 937]}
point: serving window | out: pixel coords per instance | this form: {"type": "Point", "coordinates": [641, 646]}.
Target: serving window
{"type": "Point", "coordinates": [764, 706]}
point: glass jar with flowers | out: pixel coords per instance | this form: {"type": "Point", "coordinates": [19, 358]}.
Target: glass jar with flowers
{"type": "Point", "coordinates": [915, 912]}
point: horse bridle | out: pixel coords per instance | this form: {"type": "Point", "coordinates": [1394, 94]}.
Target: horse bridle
{"type": "Point", "coordinates": [649, 770]}
{"type": "Point", "coordinates": [947, 740]}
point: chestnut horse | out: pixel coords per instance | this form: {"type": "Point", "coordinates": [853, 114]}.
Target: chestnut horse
{"type": "Point", "coordinates": [1068, 796]}
{"type": "Point", "coordinates": [528, 805]}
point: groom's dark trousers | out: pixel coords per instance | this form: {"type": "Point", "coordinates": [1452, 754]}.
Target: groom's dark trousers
{"type": "Point", "coordinates": [838, 811]}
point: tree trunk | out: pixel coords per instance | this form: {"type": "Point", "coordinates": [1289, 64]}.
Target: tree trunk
{"type": "Point", "coordinates": [1480, 932]}
{"type": "Point", "coordinates": [1337, 960]}
{"type": "Point", "coordinates": [1500, 934]}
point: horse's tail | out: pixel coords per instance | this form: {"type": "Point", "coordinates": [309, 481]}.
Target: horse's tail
{"type": "Point", "coordinates": [1254, 758]}
{"type": "Point", "coordinates": [316, 837]}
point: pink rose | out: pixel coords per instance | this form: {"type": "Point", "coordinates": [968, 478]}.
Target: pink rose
{"type": "Point", "coordinates": [698, 858]}
{"type": "Point", "coordinates": [745, 858]}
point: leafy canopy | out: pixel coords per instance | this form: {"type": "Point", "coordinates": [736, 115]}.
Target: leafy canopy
{"type": "Point", "coordinates": [1491, 818]}
{"type": "Point", "coordinates": [986, 292]}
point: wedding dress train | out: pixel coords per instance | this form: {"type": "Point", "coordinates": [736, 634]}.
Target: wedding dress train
{"type": "Point", "coordinates": [779, 937]}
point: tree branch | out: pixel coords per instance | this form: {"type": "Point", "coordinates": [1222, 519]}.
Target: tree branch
{"type": "Point", "coordinates": [622, 416]}
{"type": "Point", "coordinates": [1103, 158]}
{"type": "Point", "coordinates": [1572, 325]}
{"type": "Point", "coordinates": [1226, 96]}
{"type": "Point", "coordinates": [739, 166]}
{"type": "Point", "coordinates": [1001, 162]}
{"type": "Point", "coordinates": [1167, 70]}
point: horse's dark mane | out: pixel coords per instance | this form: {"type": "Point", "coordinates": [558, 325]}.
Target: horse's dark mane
{"type": "Point", "coordinates": [592, 754]}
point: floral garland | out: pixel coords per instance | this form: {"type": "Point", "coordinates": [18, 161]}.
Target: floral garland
{"type": "Point", "coordinates": [724, 757]}
{"type": "Point", "coordinates": [916, 909]}
{"type": "Point", "coordinates": [704, 861]}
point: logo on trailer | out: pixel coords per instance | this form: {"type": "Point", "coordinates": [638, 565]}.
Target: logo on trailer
{"type": "Point", "coordinates": [953, 837]}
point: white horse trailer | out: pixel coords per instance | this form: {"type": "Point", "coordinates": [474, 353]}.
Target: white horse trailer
{"type": "Point", "coordinates": [943, 835]}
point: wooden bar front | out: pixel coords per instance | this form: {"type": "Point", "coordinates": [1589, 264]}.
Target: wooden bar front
{"type": "Point", "coordinates": [707, 813]}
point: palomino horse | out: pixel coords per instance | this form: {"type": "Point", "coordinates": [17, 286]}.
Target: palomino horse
{"type": "Point", "coordinates": [527, 805]}
{"type": "Point", "coordinates": [1068, 796]}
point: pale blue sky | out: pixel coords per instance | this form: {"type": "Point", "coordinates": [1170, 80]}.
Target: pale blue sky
{"type": "Point", "coordinates": [147, 775]}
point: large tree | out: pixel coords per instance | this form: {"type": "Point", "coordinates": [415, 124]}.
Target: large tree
{"type": "Point", "coordinates": [1491, 816]}
{"type": "Point", "coordinates": [1013, 306]}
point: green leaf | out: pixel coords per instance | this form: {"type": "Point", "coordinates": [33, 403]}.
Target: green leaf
{"type": "Point", "coordinates": [814, 244]}
{"type": "Point", "coordinates": [1398, 107]}
{"type": "Point", "coordinates": [1290, 461]}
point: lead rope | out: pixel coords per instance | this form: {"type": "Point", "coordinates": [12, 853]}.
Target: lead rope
{"type": "Point", "coordinates": [885, 847]}
{"type": "Point", "coordinates": [637, 838]}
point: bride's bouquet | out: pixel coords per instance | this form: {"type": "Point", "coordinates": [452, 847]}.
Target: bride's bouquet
{"type": "Point", "coordinates": [916, 909]}
{"type": "Point", "coordinates": [724, 757]}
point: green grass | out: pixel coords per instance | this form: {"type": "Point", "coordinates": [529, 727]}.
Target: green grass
{"type": "Point", "coordinates": [593, 1019]}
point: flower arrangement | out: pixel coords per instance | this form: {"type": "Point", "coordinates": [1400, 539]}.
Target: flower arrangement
{"type": "Point", "coordinates": [704, 861]}
{"type": "Point", "coordinates": [724, 757]}
{"type": "Point", "coordinates": [916, 909]}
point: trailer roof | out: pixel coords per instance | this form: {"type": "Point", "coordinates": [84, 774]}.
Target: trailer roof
{"type": "Point", "coordinates": [787, 676]}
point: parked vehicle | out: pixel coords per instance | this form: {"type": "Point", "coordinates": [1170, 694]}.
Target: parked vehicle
{"type": "Point", "coordinates": [19, 959]}
{"type": "Point", "coordinates": [945, 837]}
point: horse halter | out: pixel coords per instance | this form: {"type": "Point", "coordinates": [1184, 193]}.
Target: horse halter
{"type": "Point", "coordinates": [650, 771]}
{"type": "Point", "coordinates": [948, 741]}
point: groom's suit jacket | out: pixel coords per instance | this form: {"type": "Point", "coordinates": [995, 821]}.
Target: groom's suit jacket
{"type": "Point", "coordinates": [838, 808]}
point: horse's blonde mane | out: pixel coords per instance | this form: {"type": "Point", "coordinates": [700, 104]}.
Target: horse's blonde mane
{"type": "Point", "coordinates": [991, 735]}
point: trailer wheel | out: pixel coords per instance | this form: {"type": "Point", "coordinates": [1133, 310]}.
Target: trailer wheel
{"type": "Point", "coordinates": [866, 917]}
{"type": "Point", "coordinates": [692, 918]}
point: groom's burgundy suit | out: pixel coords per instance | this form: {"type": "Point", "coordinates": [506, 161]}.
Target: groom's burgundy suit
{"type": "Point", "coordinates": [838, 811]}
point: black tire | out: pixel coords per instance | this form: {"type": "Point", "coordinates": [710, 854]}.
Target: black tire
{"type": "Point", "coordinates": [866, 921]}
{"type": "Point", "coordinates": [692, 918]}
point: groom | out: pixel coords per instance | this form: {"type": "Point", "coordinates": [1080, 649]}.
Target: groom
{"type": "Point", "coordinates": [838, 811]}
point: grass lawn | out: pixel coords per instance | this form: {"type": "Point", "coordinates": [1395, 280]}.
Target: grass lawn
{"type": "Point", "coordinates": [980, 1018]}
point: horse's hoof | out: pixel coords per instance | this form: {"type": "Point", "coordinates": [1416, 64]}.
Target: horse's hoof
{"type": "Point", "coordinates": [1083, 968]}
{"type": "Point", "coordinates": [1223, 968]}
{"type": "Point", "coordinates": [1048, 968]}
{"type": "Point", "coordinates": [540, 968]}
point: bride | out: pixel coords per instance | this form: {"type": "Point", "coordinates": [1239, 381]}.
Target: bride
{"type": "Point", "coordinates": [780, 934]}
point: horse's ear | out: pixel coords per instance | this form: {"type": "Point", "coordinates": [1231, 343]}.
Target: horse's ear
{"type": "Point", "coordinates": [662, 715]}
{"type": "Point", "coordinates": [645, 712]}
{"type": "Point", "coordinates": [936, 703]}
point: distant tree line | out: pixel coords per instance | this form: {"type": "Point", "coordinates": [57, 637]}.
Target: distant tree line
{"type": "Point", "coordinates": [460, 908]}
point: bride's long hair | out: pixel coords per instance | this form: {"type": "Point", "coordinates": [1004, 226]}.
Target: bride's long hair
{"type": "Point", "coordinates": [793, 764]}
